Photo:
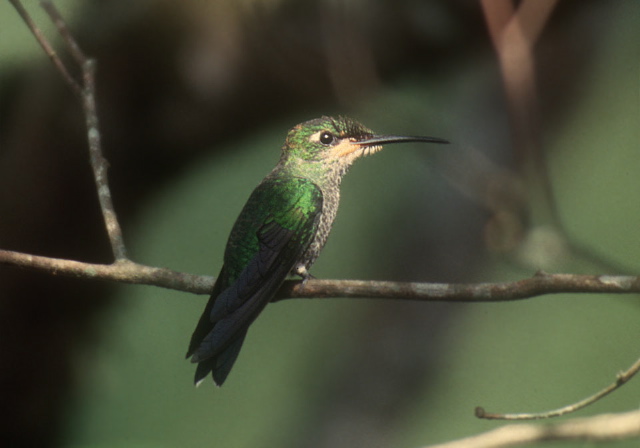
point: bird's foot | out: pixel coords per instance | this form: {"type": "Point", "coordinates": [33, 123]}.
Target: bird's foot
{"type": "Point", "coordinates": [305, 278]}
{"type": "Point", "coordinates": [304, 273]}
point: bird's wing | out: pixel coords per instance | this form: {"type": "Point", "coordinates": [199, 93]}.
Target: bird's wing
{"type": "Point", "coordinates": [287, 218]}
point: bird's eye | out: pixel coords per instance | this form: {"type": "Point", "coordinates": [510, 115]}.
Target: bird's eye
{"type": "Point", "coordinates": [327, 138]}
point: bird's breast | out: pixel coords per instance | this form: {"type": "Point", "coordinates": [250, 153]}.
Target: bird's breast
{"type": "Point", "coordinates": [330, 202]}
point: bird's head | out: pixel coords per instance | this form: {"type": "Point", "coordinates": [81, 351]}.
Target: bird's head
{"type": "Point", "coordinates": [338, 141]}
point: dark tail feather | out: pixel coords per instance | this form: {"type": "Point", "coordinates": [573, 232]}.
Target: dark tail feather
{"type": "Point", "coordinates": [203, 369]}
{"type": "Point", "coordinates": [220, 365]}
{"type": "Point", "coordinates": [226, 359]}
{"type": "Point", "coordinates": [204, 324]}
{"type": "Point", "coordinates": [202, 329]}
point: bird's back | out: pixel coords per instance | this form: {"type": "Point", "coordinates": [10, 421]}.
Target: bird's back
{"type": "Point", "coordinates": [273, 231]}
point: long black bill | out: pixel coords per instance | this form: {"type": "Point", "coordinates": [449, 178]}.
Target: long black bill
{"type": "Point", "coordinates": [376, 140]}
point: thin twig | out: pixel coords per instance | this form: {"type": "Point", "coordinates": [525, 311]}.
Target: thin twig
{"type": "Point", "coordinates": [63, 30]}
{"type": "Point", "coordinates": [87, 94]}
{"type": "Point", "coordinates": [46, 46]}
{"type": "Point", "coordinates": [600, 428]}
{"type": "Point", "coordinates": [621, 379]}
{"type": "Point", "coordinates": [99, 164]}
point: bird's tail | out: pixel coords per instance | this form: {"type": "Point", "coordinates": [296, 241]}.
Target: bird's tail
{"type": "Point", "coordinates": [220, 365]}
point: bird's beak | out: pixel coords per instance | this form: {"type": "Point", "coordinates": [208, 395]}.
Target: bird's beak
{"type": "Point", "coordinates": [378, 140]}
{"type": "Point", "coordinates": [373, 143]}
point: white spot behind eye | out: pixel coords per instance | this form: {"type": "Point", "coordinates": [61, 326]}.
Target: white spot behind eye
{"type": "Point", "coordinates": [315, 138]}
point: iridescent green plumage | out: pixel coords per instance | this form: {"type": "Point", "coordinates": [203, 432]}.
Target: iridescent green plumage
{"type": "Point", "coordinates": [280, 231]}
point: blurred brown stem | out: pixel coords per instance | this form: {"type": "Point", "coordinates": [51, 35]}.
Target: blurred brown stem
{"type": "Point", "coordinates": [514, 33]}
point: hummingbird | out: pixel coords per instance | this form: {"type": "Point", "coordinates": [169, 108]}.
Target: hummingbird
{"type": "Point", "coordinates": [279, 233]}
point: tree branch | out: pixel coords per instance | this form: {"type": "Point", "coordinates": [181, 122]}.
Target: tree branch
{"type": "Point", "coordinates": [87, 94]}
{"type": "Point", "coordinates": [621, 379]}
{"type": "Point", "coordinates": [600, 428]}
{"type": "Point", "coordinates": [122, 271]}
{"type": "Point", "coordinates": [540, 284]}
{"type": "Point", "coordinates": [126, 271]}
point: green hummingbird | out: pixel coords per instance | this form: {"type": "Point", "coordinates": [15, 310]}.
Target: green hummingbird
{"type": "Point", "coordinates": [280, 232]}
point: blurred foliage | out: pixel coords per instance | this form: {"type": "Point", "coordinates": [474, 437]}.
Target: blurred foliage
{"type": "Point", "coordinates": [135, 389]}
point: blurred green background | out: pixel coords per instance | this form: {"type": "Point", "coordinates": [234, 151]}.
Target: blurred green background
{"type": "Point", "coordinates": [316, 373]}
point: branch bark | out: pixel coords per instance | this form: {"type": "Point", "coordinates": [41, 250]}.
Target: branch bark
{"type": "Point", "coordinates": [127, 271]}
